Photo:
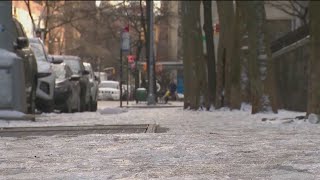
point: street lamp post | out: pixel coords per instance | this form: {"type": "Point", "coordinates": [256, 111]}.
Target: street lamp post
{"type": "Point", "coordinates": [151, 96]}
{"type": "Point", "coordinates": [125, 47]}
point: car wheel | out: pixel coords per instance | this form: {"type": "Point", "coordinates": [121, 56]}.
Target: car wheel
{"type": "Point", "coordinates": [89, 106]}
{"type": "Point", "coordinates": [68, 108]}
{"type": "Point", "coordinates": [79, 104]}
{"type": "Point", "coordinates": [94, 106]}
{"type": "Point", "coordinates": [32, 101]}
{"type": "Point", "coordinates": [82, 103]}
{"type": "Point", "coordinates": [49, 107]}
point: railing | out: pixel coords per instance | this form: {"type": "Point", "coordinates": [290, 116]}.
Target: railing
{"type": "Point", "coordinates": [290, 38]}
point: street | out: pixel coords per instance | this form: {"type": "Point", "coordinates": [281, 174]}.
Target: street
{"type": "Point", "coordinates": [220, 144]}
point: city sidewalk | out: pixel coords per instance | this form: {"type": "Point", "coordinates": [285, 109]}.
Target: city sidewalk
{"type": "Point", "coordinates": [221, 144]}
{"type": "Point", "coordinates": [144, 104]}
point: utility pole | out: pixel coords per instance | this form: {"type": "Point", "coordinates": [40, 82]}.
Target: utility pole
{"type": "Point", "coordinates": [6, 25]}
{"type": "Point", "coordinates": [125, 47]}
{"type": "Point", "coordinates": [120, 77]}
{"type": "Point", "coordinates": [151, 96]}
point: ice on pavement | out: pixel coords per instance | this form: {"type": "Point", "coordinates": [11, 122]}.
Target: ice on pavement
{"type": "Point", "coordinates": [177, 119]}
{"type": "Point", "coordinates": [220, 144]}
{"type": "Point", "coordinates": [112, 110]}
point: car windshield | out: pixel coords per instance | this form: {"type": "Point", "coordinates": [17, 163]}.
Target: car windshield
{"type": "Point", "coordinates": [109, 85]}
{"type": "Point", "coordinates": [59, 71]}
{"type": "Point", "coordinates": [74, 65]}
{"type": "Point", "coordinates": [38, 51]}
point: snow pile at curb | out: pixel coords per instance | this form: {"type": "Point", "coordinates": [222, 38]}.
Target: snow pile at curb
{"type": "Point", "coordinates": [112, 111]}
{"type": "Point", "coordinates": [11, 114]}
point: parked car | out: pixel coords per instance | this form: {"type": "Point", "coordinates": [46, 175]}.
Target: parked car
{"type": "Point", "coordinates": [77, 68]}
{"type": "Point", "coordinates": [109, 90]}
{"type": "Point", "coordinates": [94, 84]}
{"type": "Point", "coordinates": [67, 89]}
{"type": "Point", "coordinates": [46, 77]}
{"type": "Point", "coordinates": [21, 47]}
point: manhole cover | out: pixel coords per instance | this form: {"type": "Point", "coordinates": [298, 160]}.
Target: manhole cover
{"type": "Point", "coordinates": [76, 130]}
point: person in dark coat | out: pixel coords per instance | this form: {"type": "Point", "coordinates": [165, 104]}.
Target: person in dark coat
{"type": "Point", "coordinates": [144, 84]}
{"type": "Point", "coordinates": [171, 92]}
{"type": "Point", "coordinates": [172, 88]}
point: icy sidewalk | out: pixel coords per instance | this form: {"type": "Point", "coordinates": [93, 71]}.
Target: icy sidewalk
{"type": "Point", "coordinates": [221, 144]}
{"type": "Point", "coordinates": [143, 104]}
{"type": "Point", "coordinates": [177, 119]}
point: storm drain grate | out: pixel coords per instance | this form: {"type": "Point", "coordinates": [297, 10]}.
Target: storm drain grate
{"type": "Point", "coordinates": [76, 130]}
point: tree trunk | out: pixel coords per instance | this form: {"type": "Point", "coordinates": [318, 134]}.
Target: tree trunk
{"type": "Point", "coordinates": [194, 64]}
{"type": "Point", "coordinates": [314, 63]}
{"type": "Point", "coordinates": [194, 36]}
{"type": "Point", "coordinates": [186, 53]}
{"type": "Point", "coordinates": [225, 52]}
{"type": "Point", "coordinates": [243, 37]}
{"type": "Point", "coordinates": [235, 98]}
{"type": "Point", "coordinates": [211, 61]}
{"type": "Point", "coordinates": [260, 63]}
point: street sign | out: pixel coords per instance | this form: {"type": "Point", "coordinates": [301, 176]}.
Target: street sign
{"type": "Point", "coordinates": [125, 41]}
{"type": "Point", "coordinates": [131, 58]}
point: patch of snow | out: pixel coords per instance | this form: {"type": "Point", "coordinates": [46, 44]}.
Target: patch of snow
{"type": "Point", "coordinates": [11, 114]}
{"type": "Point", "coordinates": [4, 123]}
{"type": "Point", "coordinates": [246, 107]}
{"type": "Point", "coordinates": [265, 101]}
{"type": "Point", "coordinates": [224, 109]}
{"type": "Point", "coordinates": [262, 57]}
{"type": "Point", "coordinates": [313, 118]}
{"type": "Point", "coordinates": [263, 72]}
{"type": "Point", "coordinates": [112, 111]}
{"type": "Point", "coordinates": [180, 96]}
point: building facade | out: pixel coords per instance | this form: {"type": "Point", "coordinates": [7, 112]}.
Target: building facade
{"type": "Point", "coordinates": [20, 11]}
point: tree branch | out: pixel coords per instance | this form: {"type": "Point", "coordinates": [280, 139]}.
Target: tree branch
{"type": "Point", "coordinates": [27, 2]}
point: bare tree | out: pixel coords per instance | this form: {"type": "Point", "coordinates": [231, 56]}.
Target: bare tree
{"type": "Point", "coordinates": [294, 8]}
{"type": "Point", "coordinates": [187, 54]}
{"type": "Point", "coordinates": [194, 63]}
{"type": "Point", "coordinates": [225, 52]}
{"type": "Point", "coordinates": [314, 62]}
{"type": "Point", "coordinates": [211, 61]}
{"type": "Point", "coordinates": [263, 97]}
{"type": "Point", "coordinates": [28, 4]}
{"type": "Point", "coordinates": [235, 98]}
